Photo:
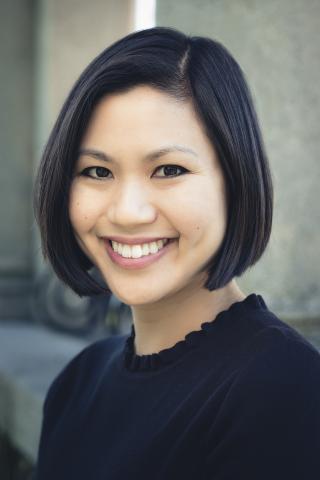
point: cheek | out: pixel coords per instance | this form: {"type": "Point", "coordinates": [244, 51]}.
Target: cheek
{"type": "Point", "coordinates": [203, 211]}
{"type": "Point", "coordinates": [83, 209]}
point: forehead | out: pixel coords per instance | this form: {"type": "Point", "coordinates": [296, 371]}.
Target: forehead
{"type": "Point", "coordinates": [145, 118]}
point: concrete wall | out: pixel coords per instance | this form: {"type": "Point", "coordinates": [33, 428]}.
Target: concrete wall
{"type": "Point", "coordinates": [277, 43]}
{"type": "Point", "coordinates": [69, 34]}
{"type": "Point", "coordinates": [16, 117]}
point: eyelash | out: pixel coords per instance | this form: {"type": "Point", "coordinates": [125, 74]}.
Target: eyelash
{"type": "Point", "coordinates": [86, 171]}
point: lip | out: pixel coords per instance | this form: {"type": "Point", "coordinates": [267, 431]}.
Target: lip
{"type": "Point", "coordinates": [134, 241]}
{"type": "Point", "coordinates": [138, 263]}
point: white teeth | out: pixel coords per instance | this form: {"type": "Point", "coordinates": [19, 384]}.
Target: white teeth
{"type": "Point", "coordinates": [153, 247]}
{"type": "Point", "coordinates": [126, 251]}
{"type": "Point", "coordinates": [145, 249]}
{"type": "Point", "coordinates": [137, 251]}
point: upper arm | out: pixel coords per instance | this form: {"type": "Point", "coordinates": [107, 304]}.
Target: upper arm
{"type": "Point", "coordinates": [63, 383]}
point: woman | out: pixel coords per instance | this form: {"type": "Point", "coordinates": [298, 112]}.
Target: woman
{"type": "Point", "coordinates": [155, 173]}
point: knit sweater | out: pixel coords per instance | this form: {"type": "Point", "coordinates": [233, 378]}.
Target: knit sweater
{"type": "Point", "coordinates": [237, 399]}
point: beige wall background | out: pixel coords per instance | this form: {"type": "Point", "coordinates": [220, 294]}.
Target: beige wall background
{"type": "Point", "coordinates": [44, 46]}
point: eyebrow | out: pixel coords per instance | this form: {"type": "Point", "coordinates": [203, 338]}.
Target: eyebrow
{"type": "Point", "coordinates": [154, 155]}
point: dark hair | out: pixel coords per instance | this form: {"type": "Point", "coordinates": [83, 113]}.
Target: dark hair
{"type": "Point", "coordinates": [187, 67]}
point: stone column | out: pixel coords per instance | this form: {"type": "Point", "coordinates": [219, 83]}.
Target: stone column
{"type": "Point", "coordinates": [16, 117]}
{"type": "Point", "coordinates": [44, 47]}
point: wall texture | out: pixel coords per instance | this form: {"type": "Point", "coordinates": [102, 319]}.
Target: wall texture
{"type": "Point", "coordinates": [277, 43]}
{"type": "Point", "coordinates": [16, 117]}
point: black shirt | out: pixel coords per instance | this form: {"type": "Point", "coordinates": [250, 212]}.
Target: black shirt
{"type": "Point", "coordinates": [238, 399]}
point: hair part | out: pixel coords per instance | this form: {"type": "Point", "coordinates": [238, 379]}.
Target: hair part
{"type": "Point", "coordinates": [188, 68]}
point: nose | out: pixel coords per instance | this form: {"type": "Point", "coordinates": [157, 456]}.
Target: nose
{"type": "Point", "coordinates": [131, 206]}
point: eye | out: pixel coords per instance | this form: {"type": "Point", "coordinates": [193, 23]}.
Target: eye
{"type": "Point", "coordinates": [171, 171]}
{"type": "Point", "coordinates": [96, 172]}
{"type": "Point", "coordinates": [99, 173]}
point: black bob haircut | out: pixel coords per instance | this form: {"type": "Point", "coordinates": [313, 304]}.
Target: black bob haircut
{"type": "Point", "coordinates": [189, 68]}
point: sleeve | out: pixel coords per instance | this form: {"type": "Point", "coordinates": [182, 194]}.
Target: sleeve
{"type": "Point", "coordinates": [56, 400]}
{"type": "Point", "coordinates": [268, 426]}
{"type": "Point", "coordinates": [62, 386]}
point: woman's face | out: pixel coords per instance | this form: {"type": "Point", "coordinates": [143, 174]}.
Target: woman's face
{"type": "Point", "coordinates": [146, 171]}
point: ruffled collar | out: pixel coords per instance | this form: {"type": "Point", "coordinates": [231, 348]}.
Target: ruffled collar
{"type": "Point", "coordinates": [155, 361]}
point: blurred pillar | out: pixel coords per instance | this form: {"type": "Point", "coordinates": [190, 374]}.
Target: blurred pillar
{"type": "Point", "coordinates": [70, 33]}
{"type": "Point", "coordinates": [16, 117]}
{"type": "Point", "coordinates": [44, 46]}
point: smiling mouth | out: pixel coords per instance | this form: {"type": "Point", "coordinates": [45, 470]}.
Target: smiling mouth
{"type": "Point", "coordinates": [138, 261]}
{"type": "Point", "coordinates": [139, 250]}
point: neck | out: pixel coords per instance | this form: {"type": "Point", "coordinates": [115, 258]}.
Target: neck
{"type": "Point", "coordinates": [162, 325]}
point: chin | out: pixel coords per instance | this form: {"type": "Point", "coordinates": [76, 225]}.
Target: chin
{"type": "Point", "coordinates": [136, 298]}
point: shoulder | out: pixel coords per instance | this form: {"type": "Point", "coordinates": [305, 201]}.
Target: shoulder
{"type": "Point", "coordinates": [268, 359]}
{"type": "Point", "coordinates": [83, 371]}
{"type": "Point", "coordinates": [279, 377]}
{"type": "Point", "coordinates": [255, 342]}
{"type": "Point", "coordinates": [270, 341]}
{"type": "Point", "coordinates": [270, 414]}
